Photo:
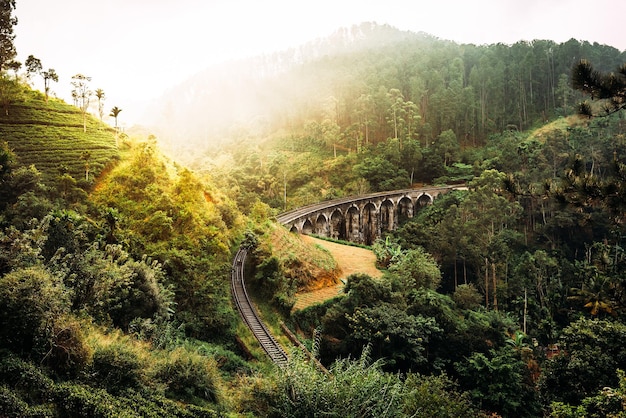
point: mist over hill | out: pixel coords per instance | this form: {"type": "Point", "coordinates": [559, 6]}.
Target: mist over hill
{"type": "Point", "coordinates": [347, 78]}
{"type": "Point", "coordinates": [258, 95]}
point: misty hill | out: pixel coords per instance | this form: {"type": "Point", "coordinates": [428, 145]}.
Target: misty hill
{"type": "Point", "coordinates": [353, 78]}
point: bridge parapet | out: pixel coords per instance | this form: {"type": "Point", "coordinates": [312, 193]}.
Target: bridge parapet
{"type": "Point", "coordinates": [361, 219]}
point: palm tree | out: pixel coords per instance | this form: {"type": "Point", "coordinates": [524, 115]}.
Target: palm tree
{"type": "Point", "coordinates": [595, 295]}
{"type": "Point", "coordinates": [114, 112]}
{"type": "Point", "coordinates": [100, 96]}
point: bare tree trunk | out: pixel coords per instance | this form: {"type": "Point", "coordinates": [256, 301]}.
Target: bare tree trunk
{"type": "Point", "coordinates": [495, 287]}
{"type": "Point", "coordinates": [486, 283]}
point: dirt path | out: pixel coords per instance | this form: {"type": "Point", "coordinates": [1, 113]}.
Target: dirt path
{"type": "Point", "coordinates": [350, 260]}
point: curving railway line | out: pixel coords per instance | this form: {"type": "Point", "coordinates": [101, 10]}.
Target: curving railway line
{"type": "Point", "coordinates": [249, 313]}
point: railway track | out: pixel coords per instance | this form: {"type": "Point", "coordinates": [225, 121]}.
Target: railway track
{"type": "Point", "coordinates": [249, 313]}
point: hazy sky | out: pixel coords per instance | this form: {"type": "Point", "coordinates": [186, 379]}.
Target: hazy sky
{"type": "Point", "coordinates": [135, 49]}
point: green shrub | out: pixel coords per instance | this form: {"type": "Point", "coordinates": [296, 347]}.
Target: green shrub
{"type": "Point", "coordinates": [68, 354]}
{"type": "Point", "coordinates": [117, 367]}
{"type": "Point", "coordinates": [84, 401]}
{"type": "Point", "coordinates": [10, 404]}
{"type": "Point", "coordinates": [22, 385]}
{"type": "Point", "coordinates": [189, 376]}
{"type": "Point", "coordinates": [436, 396]}
{"type": "Point", "coordinates": [31, 300]}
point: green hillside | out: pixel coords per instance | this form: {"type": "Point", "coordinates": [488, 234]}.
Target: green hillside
{"type": "Point", "coordinates": [51, 137]}
{"type": "Point", "coordinates": [504, 299]}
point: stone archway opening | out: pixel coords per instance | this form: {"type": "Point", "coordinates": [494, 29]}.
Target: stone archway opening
{"type": "Point", "coordinates": [294, 229]}
{"type": "Point", "coordinates": [370, 224]}
{"type": "Point", "coordinates": [423, 201]}
{"type": "Point", "coordinates": [387, 218]}
{"type": "Point", "coordinates": [405, 209]}
{"type": "Point", "coordinates": [337, 225]}
{"type": "Point", "coordinates": [307, 228]}
{"type": "Point", "coordinates": [353, 225]}
{"type": "Point", "coordinates": [321, 226]}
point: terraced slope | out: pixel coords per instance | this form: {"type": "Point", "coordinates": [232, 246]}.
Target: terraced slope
{"type": "Point", "coordinates": [50, 136]}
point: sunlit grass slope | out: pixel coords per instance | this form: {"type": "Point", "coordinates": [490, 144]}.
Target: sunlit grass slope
{"type": "Point", "coordinates": [310, 266]}
{"type": "Point", "coordinates": [50, 136]}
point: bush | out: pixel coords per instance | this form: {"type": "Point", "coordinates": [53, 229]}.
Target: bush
{"type": "Point", "coordinates": [31, 300]}
{"type": "Point", "coordinates": [84, 401]}
{"type": "Point", "coordinates": [117, 367]}
{"type": "Point", "coordinates": [22, 385]}
{"type": "Point", "coordinates": [436, 396]}
{"type": "Point", "coordinates": [68, 352]}
{"type": "Point", "coordinates": [189, 376]}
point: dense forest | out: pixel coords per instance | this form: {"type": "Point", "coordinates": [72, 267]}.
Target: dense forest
{"type": "Point", "coordinates": [505, 299]}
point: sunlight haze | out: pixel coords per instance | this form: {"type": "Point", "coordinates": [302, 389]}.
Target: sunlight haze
{"type": "Point", "coordinates": [136, 49]}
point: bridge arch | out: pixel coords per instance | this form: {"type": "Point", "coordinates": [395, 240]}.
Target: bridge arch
{"type": "Point", "coordinates": [387, 218]}
{"type": "Point", "coordinates": [353, 224]}
{"type": "Point", "coordinates": [424, 199]}
{"type": "Point", "coordinates": [405, 209]}
{"type": "Point", "coordinates": [337, 225]}
{"type": "Point", "coordinates": [307, 227]}
{"type": "Point", "coordinates": [321, 225]}
{"type": "Point", "coordinates": [370, 223]}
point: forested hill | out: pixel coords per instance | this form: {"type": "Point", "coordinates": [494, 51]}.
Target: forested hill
{"type": "Point", "coordinates": [372, 82]}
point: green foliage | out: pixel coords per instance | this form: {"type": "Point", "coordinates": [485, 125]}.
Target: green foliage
{"type": "Point", "coordinates": [26, 392]}
{"type": "Point", "coordinates": [355, 390]}
{"type": "Point", "coordinates": [10, 93]}
{"type": "Point", "coordinates": [415, 269]}
{"type": "Point", "coordinates": [382, 174]}
{"type": "Point", "coordinates": [467, 297]}
{"type": "Point", "coordinates": [357, 387]}
{"type": "Point", "coordinates": [499, 382]}
{"type": "Point", "coordinates": [592, 351]}
{"type": "Point", "coordinates": [608, 402]}
{"type": "Point", "coordinates": [609, 88]}
{"type": "Point", "coordinates": [31, 301]}
{"type": "Point", "coordinates": [166, 212]}
{"type": "Point", "coordinates": [386, 252]}
{"type": "Point", "coordinates": [50, 135]}
{"type": "Point", "coordinates": [118, 367]}
{"type": "Point", "coordinates": [400, 338]}
{"type": "Point", "coordinates": [436, 396]}
{"type": "Point", "coordinates": [69, 353]}
{"type": "Point", "coordinates": [189, 376]}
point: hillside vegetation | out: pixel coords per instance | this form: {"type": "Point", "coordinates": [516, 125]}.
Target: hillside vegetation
{"type": "Point", "coordinates": [506, 299]}
{"type": "Point", "coordinates": [114, 268]}
{"type": "Point", "coordinates": [50, 136]}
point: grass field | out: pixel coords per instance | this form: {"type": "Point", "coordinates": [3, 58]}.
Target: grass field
{"type": "Point", "coordinates": [349, 260]}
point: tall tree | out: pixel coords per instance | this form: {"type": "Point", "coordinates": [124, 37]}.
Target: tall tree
{"type": "Point", "coordinates": [33, 66]}
{"type": "Point", "coordinates": [114, 113]}
{"type": "Point", "coordinates": [82, 94]}
{"type": "Point", "coordinates": [100, 96]}
{"type": "Point", "coordinates": [48, 76]}
{"type": "Point", "coordinates": [7, 21]}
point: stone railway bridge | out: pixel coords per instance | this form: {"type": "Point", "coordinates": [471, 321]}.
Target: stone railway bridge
{"type": "Point", "coordinates": [364, 218]}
